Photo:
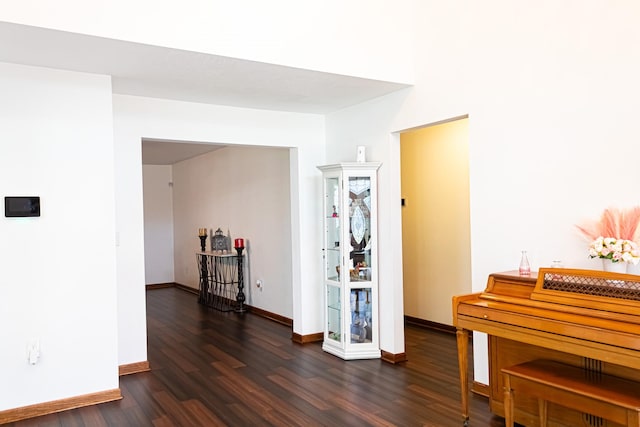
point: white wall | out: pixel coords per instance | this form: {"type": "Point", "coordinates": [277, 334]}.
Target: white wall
{"type": "Point", "coordinates": [551, 94]}
{"type": "Point", "coordinates": [132, 312]}
{"type": "Point", "coordinates": [364, 38]}
{"type": "Point", "coordinates": [58, 270]}
{"type": "Point", "coordinates": [243, 191]}
{"type": "Point", "coordinates": [158, 223]}
{"type": "Point", "coordinates": [371, 39]}
{"type": "Point", "coordinates": [303, 134]}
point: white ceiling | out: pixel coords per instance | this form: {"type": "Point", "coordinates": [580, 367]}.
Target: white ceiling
{"type": "Point", "coordinates": [158, 72]}
{"type": "Point", "coordinates": [166, 152]}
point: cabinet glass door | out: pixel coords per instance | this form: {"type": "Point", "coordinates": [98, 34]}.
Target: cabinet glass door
{"type": "Point", "coordinates": [361, 315]}
{"type": "Point", "coordinates": [334, 308]}
{"type": "Point", "coordinates": [332, 229]}
{"type": "Point", "coordinates": [360, 228]}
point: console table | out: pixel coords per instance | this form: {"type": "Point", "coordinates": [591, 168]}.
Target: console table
{"type": "Point", "coordinates": [221, 281]}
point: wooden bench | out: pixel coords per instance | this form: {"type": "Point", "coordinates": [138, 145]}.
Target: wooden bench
{"type": "Point", "coordinates": [605, 396]}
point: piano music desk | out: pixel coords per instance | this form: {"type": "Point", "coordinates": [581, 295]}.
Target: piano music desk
{"type": "Point", "coordinates": [602, 395]}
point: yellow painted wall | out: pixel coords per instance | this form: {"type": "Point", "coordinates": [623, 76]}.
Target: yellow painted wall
{"type": "Point", "coordinates": [435, 219]}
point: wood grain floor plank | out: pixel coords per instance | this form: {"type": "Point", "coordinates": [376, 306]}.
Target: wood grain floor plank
{"type": "Point", "coordinates": [300, 392]}
{"type": "Point", "coordinates": [163, 421]}
{"type": "Point", "coordinates": [226, 369]}
{"type": "Point", "coordinates": [270, 348]}
{"type": "Point", "coordinates": [223, 356]}
{"type": "Point", "coordinates": [202, 414]}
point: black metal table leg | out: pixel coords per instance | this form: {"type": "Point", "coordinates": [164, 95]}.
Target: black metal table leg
{"type": "Point", "coordinates": [240, 298]}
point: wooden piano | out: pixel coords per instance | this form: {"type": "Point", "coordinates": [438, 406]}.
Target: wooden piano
{"type": "Point", "coordinates": [585, 318]}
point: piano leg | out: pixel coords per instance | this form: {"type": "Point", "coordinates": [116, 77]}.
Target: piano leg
{"type": "Point", "coordinates": [462, 338]}
{"type": "Point", "coordinates": [542, 412]}
{"type": "Point", "coordinates": [508, 402]}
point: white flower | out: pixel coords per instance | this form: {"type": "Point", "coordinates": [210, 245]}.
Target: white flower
{"type": "Point", "coordinates": [617, 250]}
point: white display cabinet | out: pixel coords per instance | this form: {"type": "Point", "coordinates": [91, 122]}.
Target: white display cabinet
{"type": "Point", "coordinates": [350, 256]}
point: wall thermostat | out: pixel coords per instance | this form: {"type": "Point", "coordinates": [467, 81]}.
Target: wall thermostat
{"type": "Point", "coordinates": [21, 206]}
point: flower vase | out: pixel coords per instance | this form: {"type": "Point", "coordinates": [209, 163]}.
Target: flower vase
{"type": "Point", "coordinates": [614, 267]}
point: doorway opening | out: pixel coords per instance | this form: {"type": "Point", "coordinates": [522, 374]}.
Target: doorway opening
{"type": "Point", "coordinates": [436, 243]}
{"type": "Point", "coordinates": [242, 190]}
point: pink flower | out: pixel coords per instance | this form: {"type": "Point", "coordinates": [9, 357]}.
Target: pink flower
{"type": "Point", "coordinates": [617, 250]}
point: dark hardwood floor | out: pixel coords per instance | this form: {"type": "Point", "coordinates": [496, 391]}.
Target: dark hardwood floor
{"type": "Point", "coordinates": [224, 369]}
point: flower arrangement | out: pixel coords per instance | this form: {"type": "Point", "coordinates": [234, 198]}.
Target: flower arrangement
{"type": "Point", "coordinates": [615, 235]}
{"type": "Point", "coordinates": [617, 250]}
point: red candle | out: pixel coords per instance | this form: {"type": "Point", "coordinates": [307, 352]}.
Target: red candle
{"type": "Point", "coordinates": [239, 243]}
